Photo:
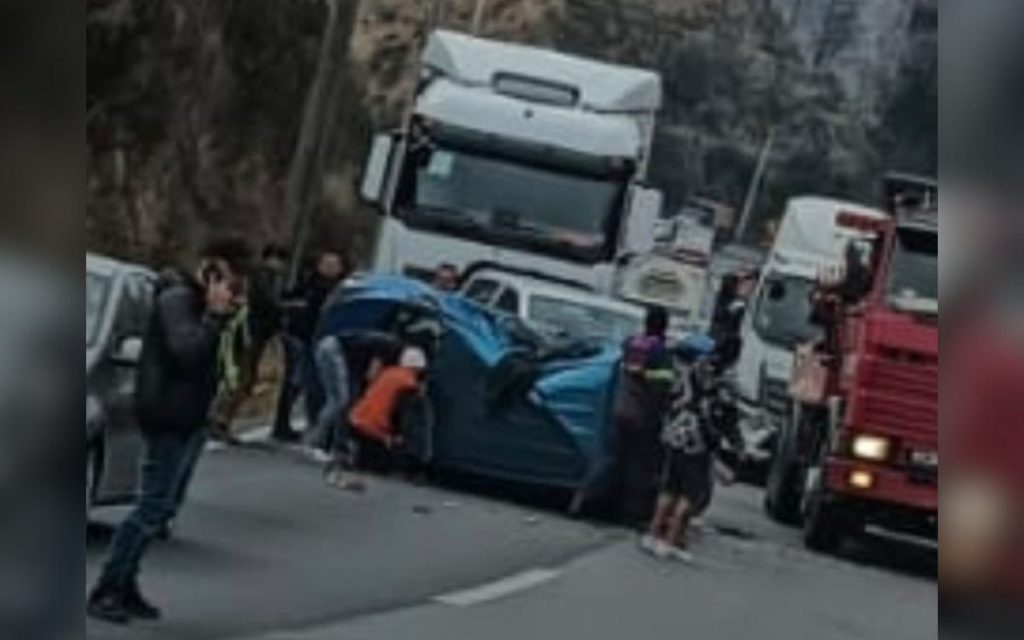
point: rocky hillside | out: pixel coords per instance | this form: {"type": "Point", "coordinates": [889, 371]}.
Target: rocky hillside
{"type": "Point", "coordinates": [193, 109]}
{"type": "Point", "coordinates": [194, 106]}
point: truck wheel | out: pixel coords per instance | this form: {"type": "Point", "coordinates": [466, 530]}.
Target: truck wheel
{"type": "Point", "coordinates": [782, 494]}
{"type": "Point", "coordinates": [783, 490]}
{"type": "Point", "coordinates": [825, 523]}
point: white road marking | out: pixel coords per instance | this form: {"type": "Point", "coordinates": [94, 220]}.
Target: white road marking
{"type": "Point", "coordinates": [501, 589]}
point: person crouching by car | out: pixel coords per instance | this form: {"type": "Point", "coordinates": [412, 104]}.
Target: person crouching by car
{"type": "Point", "coordinates": [344, 361]}
{"type": "Point", "coordinates": [372, 419]}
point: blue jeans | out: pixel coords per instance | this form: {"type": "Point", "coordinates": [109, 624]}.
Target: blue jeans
{"type": "Point", "coordinates": [300, 379]}
{"type": "Point", "coordinates": [169, 461]}
{"type": "Point", "coordinates": [329, 432]}
{"type": "Point", "coordinates": [191, 462]}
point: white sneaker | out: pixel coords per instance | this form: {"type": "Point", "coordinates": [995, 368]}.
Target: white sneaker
{"type": "Point", "coordinates": [649, 544]}
{"type": "Point", "coordinates": [319, 455]}
{"type": "Point", "coordinates": [662, 550]}
{"type": "Point", "coordinates": [679, 555]}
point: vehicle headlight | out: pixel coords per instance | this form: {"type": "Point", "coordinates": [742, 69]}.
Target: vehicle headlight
{"type": "Point", "coordinates": [873, 448]}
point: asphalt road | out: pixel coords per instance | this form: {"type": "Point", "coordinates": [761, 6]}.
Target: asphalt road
{"type": "Point", "coordinates": [266, 551]}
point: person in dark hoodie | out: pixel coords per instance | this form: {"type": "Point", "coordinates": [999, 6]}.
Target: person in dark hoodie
{"type": "Point", "coordinates": [177, 379]}
{"type": "Point", "coordinates": [303, 305]}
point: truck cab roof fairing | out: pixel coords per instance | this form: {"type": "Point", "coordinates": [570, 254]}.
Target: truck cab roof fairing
{"type": "Point", "coordinates": [602, 87]}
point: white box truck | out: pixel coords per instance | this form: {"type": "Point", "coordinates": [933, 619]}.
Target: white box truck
{"type": "Point", "coordinates": [778, 318]}
{"type": "Point", "coordinates": [519, 157]}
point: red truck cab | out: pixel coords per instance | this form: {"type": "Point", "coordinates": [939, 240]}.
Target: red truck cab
{"type": "Point", "coordinates": [862, 446]}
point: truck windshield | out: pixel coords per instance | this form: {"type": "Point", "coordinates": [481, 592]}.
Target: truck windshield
{"type": "Point", "coordinates": [509, 202]}
{"type": "Point", "coordinates": [783, 314]}
{"type": "Point", "coordinates": [914, 272]}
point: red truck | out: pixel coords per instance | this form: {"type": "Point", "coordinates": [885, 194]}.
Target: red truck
{"type": "Point", "coordinates": [861, 447]}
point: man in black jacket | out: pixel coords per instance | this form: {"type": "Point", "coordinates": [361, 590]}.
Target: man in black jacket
{"type": "Point", "coordinates": [304, 304]}
{"type": "Point", "coordinates": [177, 380]}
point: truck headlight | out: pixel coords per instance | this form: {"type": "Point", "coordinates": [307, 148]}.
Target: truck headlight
{"type": "Point", "coordinates": [873, 448]}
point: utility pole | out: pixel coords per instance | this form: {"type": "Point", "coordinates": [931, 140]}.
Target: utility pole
{"type": "Point", "coordinates": [754, 190]}
{"type": "Point", "coordinates": [305, 175]}
{"type": "Point", "coordinates": [479, 14]}
{"type": "Point", "coordinates": [436, 17]}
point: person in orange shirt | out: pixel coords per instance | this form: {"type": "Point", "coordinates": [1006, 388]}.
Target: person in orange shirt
{"type": "Point", "coordinates": [373, 416]}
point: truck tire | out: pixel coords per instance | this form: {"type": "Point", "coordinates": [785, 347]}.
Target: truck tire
{"type": "Point", "coordinates": [826, 522]}
{"type": "Point", "coordinates": [782, 494]}
{"type": "Point", "coordinates": [783, 489]}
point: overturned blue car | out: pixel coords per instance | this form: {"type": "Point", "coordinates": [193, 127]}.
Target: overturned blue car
{"type": "Point", "coordinates": [502, 401]}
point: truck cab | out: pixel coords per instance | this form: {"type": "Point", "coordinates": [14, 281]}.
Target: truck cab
{"type": "Point", "coordinates": [778, 317]}
{"type": "Point", "coordinates": [861, 446]}
{"type": "Point", "coordinates": [517, 156]}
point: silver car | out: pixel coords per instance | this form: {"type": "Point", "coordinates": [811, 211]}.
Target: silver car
{"type": "Point", "coordinates": [117, 307]}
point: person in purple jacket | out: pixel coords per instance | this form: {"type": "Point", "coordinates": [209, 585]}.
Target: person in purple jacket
{"type": "Point", "coordinates": [646, 379]}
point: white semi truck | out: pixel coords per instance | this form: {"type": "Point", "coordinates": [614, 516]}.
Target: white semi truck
{"type": "Point", "coordinates": [809, 241]}
{"type": "Point", "coordinates": [517, 157]}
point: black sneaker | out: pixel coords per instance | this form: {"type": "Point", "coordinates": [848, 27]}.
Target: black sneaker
{"type": "Point", "coordinates": [287, 437]}
{"type": "Point", "coordinates": [108, 605]}
{"type": "Point", "coordinates": [137, 605]}
{"type": "Point", "coordinates": [166, 531]}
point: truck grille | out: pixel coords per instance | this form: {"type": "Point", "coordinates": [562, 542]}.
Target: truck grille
{"type": "Point", "coordinates": [901, 393]}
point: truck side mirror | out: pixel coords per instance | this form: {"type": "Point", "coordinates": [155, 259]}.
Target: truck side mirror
{"type": "Point", "coordinates": [378, 167]}
{"type": "Point", "coordinates": [642, 220]}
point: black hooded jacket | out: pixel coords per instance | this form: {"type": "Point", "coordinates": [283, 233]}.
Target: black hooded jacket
{"type": "Point", "coordinates": [177, 376]}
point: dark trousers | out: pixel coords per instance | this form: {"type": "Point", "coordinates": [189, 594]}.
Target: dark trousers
{"type": "Point", "coordinates": [169, 462]}
{"type": "Point", "coordinates": [638, 468]}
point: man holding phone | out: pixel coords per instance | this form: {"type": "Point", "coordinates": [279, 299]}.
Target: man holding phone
{"type": "Point", "coordinates": [177, 380]}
